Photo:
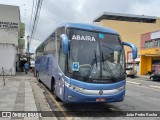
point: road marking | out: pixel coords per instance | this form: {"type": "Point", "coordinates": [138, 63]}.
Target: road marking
{"type": "Point", "coordinates": [59, 106]}
{"type": "Point", "coordinates": [147, 87]}
{"type": "Point", "coordinates": [136, 83]}
{"type": "Point", "coordinates": [152, 86]}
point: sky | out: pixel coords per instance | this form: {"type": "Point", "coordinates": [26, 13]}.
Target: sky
{"type": "Point", "coordinates": [55, 12]}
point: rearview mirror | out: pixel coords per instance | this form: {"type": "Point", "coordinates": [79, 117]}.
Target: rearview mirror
{"type": "Point", "coordinates": [134, 49]}
{"type": "Point", "coordinates": [64, 43]}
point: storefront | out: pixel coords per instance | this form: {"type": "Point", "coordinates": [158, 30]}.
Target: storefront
{"type": "Point", "coordinates": [150, 52]}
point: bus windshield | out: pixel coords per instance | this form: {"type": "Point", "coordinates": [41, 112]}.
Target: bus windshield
{"type": "Point", "coordinates": [100, 56]}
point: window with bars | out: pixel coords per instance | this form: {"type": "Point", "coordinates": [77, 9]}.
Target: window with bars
{"type": "Point", "coordinates": [157, 42]}
{"type": "Point", "coordinates": [148, 44]}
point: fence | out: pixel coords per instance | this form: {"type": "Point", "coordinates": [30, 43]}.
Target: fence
{"type": "Point", "coordinates": [6, 73]}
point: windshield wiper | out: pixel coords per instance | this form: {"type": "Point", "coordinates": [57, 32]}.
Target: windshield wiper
{"type": "Point", "coordinates": [112, 75]}
{"type": "Point", "coordinates": [95, 57]}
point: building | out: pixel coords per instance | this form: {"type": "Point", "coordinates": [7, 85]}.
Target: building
{"type": "Point", "coordinates": [130, 28]}
{"type": "Point", "coordinates": [9, 24]}
{"type": "Point", "coordinates": [150, 52]}
{"type": "Point", "coordinates": [10, 37]}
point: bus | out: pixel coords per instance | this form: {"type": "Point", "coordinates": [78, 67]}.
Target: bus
{"type": "Point", "coordinates": [83, 63]}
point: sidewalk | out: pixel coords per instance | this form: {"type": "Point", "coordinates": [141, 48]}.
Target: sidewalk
{"type": "Point", "coordinates": [21, 93]}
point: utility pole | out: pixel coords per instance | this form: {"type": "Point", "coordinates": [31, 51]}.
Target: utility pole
{"type": "Point", "coordinates": [28, 55]}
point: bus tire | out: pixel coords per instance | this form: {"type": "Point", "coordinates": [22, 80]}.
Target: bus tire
{"type": "Point", "coordinates": [37, 75]}
{"type": "Point", "coordinates": [53, 89]}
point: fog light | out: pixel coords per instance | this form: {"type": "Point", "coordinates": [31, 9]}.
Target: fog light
{"type": "Point", "coordinates": [123, 96]}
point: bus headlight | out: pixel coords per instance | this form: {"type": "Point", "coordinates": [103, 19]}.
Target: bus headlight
{"type": "Point", "coordinates": [121, 88]}
{"type": "Point", "coordinates": [77, 88]}
{"type": "Point", "coordinates": [73, 87]}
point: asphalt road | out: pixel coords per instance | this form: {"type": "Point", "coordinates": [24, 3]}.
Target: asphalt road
{"type": "Point", "coordinates": [141, 95]}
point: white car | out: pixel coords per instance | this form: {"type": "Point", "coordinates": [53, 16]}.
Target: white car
{"type": "Point", "coordinates": [131, 72]}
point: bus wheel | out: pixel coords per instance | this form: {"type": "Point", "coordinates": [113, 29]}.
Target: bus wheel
{"type": "Point", "coordinates": [37, 74]}
{"type": "Point", "coordinates": [53, 89]}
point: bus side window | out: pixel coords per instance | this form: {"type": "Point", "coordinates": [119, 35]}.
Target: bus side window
{"type": "Point", "coordinates": [61, 55]}
{"type": "Point", "coordinates": [50, 44]}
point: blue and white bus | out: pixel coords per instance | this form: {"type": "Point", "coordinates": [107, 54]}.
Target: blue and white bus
{"type": "Point", "coordinates": [83, 63]}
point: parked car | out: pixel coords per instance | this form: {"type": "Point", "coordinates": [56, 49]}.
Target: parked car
{"type": "Point", "coordinates": [131, 72]}
{"type": "Point", "coordinates": [155, 76]}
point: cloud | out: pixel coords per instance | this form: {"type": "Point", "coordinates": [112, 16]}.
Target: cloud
{"type": "Point", "coordinates": [54, 12]}
{"type": "Point", "coordinates": [34, 44]}
{"type": "Point", "coordinates": [149, 8]}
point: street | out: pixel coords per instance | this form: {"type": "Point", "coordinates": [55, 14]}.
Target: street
{"type": "Point", "coordinates": [140, 96]}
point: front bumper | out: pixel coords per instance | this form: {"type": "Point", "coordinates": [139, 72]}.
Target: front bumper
{"type": "Point", "coordinates": [74, 96]}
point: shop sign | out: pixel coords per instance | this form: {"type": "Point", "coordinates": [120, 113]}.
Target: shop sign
{"type": "Point", "coordinates": [6, 25]}
{"type": "Point", "coordinates": [151, 51]}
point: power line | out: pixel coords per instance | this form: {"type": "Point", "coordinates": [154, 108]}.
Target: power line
{"type": "Point", "coordinates": [35, 22]}
{"type": "Point", "coordinates": [38, 14]}
{"type": "Point", "coordinates": [38, 22]}
{"type": "Point", "coordinates": [36, 18]}
{"type": "Point", "coordinates": [31, 16]}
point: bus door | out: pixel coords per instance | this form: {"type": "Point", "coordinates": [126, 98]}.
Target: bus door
{"type": "Point", "coordinates": [62, 66]}
{"type": "Point", "coordinates": [44, 68]}
{"type": "Point", "coordinates": [60, 85]}
{"type": "Point", "coordinates": [47, 71]}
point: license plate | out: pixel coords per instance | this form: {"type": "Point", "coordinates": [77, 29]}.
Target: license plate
{"type": "Point", "coordinates": [100, 100]}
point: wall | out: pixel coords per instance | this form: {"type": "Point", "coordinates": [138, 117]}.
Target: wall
{"type": "Point", "coordinates": [9, 35]}
{"type": "Point", "coordinates": [9, 24]}
{"type": "Point", "coordinates": [145, 37]}
{"type": "Point", "coordinates": [8, 55]}
{"type": "Point", "coordinates": [145, 64]}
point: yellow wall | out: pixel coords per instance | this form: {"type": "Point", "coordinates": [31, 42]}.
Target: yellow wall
{"type": "Point", "coordinates": [145, 64]}
{"type": "Point", "coordinates": [131, 31]}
